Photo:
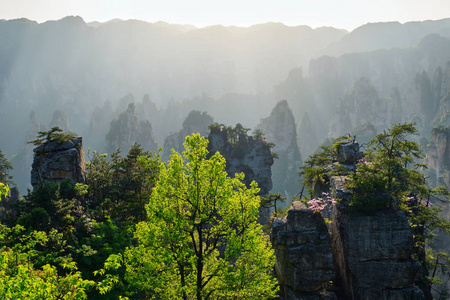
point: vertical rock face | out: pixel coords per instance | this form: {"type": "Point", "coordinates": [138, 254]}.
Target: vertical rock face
{"type": "Point", "coordinates": [372, 252]}
{"type": "Point", "coordinates": [280, 129]}
{"type": "Point", "coordinates": [373, 255]}
{"type": "Point", "coordinates": [59, 119]}
{"type": "Point", "coordinates": [248, 155]}
{"type": "Point", "coordinates": [357, 108]}
{"type": "Point", "coordinates": [307, 137]}
{"type": "Point", "coordinates": [439, 166]}
{"type": "Point", "coordinates": [195, 122]}
{"type": "Point", "coordinates": [127, 129]}
{"type": "Point", "coordinates": [58, 162]}
{"type": "Point", "coordinates": [439, 157]}
{"type": "Point", "coordinates": [304, 263]}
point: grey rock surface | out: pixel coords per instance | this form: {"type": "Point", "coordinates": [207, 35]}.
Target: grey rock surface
{"type": "Point", "coordinates": [58, 162]}
{"type": "Point", "coordinates": [304, 262]}
{"type": "Point", "coordinates": [373, 254]}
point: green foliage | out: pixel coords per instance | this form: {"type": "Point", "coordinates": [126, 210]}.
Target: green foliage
{"type": "Point", "coordinates": [271, 201]}
{"type": "Point", "coordinates": [390, 176]}
{"type": "Point", "coordinates": [54, 134]}
{"type": "Point", "coordinates": [201, 239]}
{"type": "Point", "coordinates": [5, 167]}
{"type": "Point", "coordinates": [238, 140]}
{"type": "Point", "coordinates": [51, 205]}
{"type": "Point", "coordinates": [4, 190]}
{"type": "Point", "coordinates": [120, 187]}
{"type": "Point", "coordinates": [318, 168]}
{"type": "Point", "coordinates": [385, 176]}
{"type": "Point", "coordinates": [19, 279]}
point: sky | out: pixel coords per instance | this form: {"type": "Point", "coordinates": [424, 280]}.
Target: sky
{"type": "Point", "coordinates": [345, 14]}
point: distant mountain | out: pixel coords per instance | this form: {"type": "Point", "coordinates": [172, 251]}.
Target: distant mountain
{"type": "Point", "coordinates": [74, 66]}
{"type": "Point", "coordinates": [374, 36]}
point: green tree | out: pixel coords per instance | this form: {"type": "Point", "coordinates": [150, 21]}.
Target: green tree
{"type": "Point", "coordinates": [54, 134]}
{"type": "Point", "coordinates": [19, 279]}
{"type": "Point", "coordinates": [390, 171]}
{"type": "Point", "coordinates": [201, 239]}
{"type": "Point", "coordinates": [391, 176]}
{"type": "Point", "coordinates": [318, 168]}
{"type": "Point", "coordinates": [120, 187]}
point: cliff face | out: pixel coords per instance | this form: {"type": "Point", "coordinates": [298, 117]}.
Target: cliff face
{"type": "Point", "coordinates": [373, 254]}
{"type": "Point", "coordinates": [248, 155]}
{"type": "Point", "coordinates": [280, 129]}
{"type": "Point", "coordinates": [195, 122]}
{"type": "Point", "coordinates": [127, 129]}
{"type": "Point", "coordinates": [58, 162]}
{"type": "Point", "coordinates": [363, 106]}
{"type": "Point", "coordinates": [304, 263]}
{"type": "Point", "coordinates": [439, 157]}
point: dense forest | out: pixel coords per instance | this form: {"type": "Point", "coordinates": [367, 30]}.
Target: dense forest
{"type": "Point", "coordinates": [187, 144]}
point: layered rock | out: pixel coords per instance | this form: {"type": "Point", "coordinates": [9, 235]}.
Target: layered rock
{"type": "Point", "coordinates": [59, 162]}
{"type": "Point", "coordinates": [372, 252]}
{"type": "Point", "coordinates": [304, 263]}
{"type": "Point", "coordinates": [358, 107]}
{"type": "Point", "coordinates": [280, 129]}
{"type": "Point", "coordinates": [373, 255]}
{"type": "Point", "coordinates": [307, 138]}
{"type": "Point", "coordinates": [127, 129]}
{"type": "Point", "coordinates": [438, 160]}
{"type": "Point", "coordinates": [59, 119]}
{"type": "Point", "coordinates": [195, 122]}
{"type": "Point", "coordinates": [247, 154]}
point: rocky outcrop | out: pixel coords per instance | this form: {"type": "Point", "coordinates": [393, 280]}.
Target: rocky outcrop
{"type": "Point", "coordinates": [280, 128]}
{"type": "Point", "coordinates": [373, 252]}
{"type": "Point", "coordinates": [59, 119]}
{"type": "Point", "coordinates": [438, 161]}
{"type": "Point", "coordinates": [58, 162]}
{"type": "Point", "coordinates": [348, 153]}
{"type": "Point", "coordinates": [373, 255]}
{"type": "Point", "coordinates": [438, 158]}
{"type": "Point", "coordinates": [358, 107]}
{"type": "Point", "coordinates": [127, 129]}
{"type": "Point", "coordinates": [307, 137]}
{"type": "Point", "coordinates": [195, 122]}
{"type": "Point", "coordinates": [304, 263]}
{"type": "Point", "coordinates": [243, 153]}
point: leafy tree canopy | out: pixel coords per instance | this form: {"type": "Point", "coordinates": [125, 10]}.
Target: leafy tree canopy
{"type": "Point", "coordinates": [201, 239]}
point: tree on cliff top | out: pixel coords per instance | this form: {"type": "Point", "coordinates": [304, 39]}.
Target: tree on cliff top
{"type": "Point", "coordinates": [54, 134]}
{"type": "Point", "coordinates": [201, 239]}
{"type": "Point", "coordinates": [390, 176]}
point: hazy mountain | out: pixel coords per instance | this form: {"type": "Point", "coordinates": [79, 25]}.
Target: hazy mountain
{"type": "Point", "coordinates": [386, 35]}
{"type": "Point", "coordinates": [94, 71]}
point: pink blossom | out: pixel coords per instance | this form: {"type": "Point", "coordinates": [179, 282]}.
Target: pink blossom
{"type": "Point", "coordinates": [320, 204]}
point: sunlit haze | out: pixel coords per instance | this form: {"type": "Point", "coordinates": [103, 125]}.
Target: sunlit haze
{"type": "Point", "coordinates": [346, 14]}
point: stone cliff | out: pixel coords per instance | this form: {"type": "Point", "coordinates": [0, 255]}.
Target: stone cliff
{"type": "Point", "coordinates": [58, 162]}
{"type": "Point", "coordinates": [195, 122]}
{"type": "Point", "coordinates": [127, 129]}
{"type": "Point", "coordinates": [438, 157]}
{"type": "Point", "coordinates": [304, 262]}
{"type": "Point", "coordinates": [280, 128]}
{"type": "Point", "coordinates": [243, 153]}
{"type": "Point", "coordinates": [371, 253]}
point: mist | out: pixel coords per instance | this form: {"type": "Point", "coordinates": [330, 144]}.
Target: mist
{"type": "Point", "coordinates": [89, 73]}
